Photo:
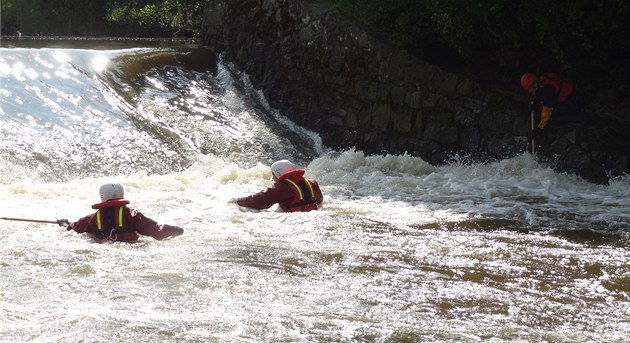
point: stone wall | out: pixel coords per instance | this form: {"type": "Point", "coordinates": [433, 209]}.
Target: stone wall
{"type": "Point", "coordinates": [357, 91]}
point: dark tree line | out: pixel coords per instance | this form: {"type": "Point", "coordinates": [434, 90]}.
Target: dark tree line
{"type": "Point", "coordinates": [497, 40]}
{"type": "Point", "coordinates": [94, 18]}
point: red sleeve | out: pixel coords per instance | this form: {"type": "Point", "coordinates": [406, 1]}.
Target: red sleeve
{"type": "Point", "coordinates": [85, 224]}
{"type": "Point", "coordinates": [147, 226]}
{"type": "Point", "coordinates": [280, 192]}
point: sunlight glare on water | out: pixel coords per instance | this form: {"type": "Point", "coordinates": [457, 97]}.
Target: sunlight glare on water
{"type": "Point", "coordinates": [357, 270]}
{"type": "Point", "coordinates": [99, 63]}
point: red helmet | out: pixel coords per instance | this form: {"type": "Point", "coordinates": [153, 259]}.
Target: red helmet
{"type": "Point", "coordinates": [527, 81]}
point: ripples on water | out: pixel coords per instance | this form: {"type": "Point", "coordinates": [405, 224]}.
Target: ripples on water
{"type": "Point", "coordinates": [402, 251]}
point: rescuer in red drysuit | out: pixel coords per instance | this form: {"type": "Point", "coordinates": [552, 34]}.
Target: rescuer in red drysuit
{"type": "Point", "coordinates": [291, 191]}
{"type": "Point", "coordinates": [115, 221]}
{"type": "Point", "coordinates": [551, 95]}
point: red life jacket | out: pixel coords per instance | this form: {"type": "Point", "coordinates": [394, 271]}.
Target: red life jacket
{"type": "Point", "coordinates": [304, 198]}
{"type": "Point", "coordinates": [564, 88]}
{"type": "Point", "coordinates": [111, 223]}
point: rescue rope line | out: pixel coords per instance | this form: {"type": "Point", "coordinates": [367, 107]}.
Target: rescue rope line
{"type": "Point", "coordinates": [60, 222]}
{"type": "Point", "coordinates": [533, 142]}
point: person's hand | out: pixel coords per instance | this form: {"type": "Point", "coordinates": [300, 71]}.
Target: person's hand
{"type": "Point", "coordinates": [175, 230]}
{"type": "Point", "coordinates": [63, 222]}
{"type": "Point", "coordinates": [535, 132]}
{"type": "Point", "coordinates": [233, 201]}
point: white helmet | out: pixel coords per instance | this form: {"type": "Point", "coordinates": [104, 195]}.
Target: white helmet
{"type": "Point", "coordinates": [111, 191]}
{"type": "Point", "coordinates": [280, 167]}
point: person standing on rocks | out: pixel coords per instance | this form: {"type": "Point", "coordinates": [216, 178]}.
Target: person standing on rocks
{"type": "Point", "coordinates": [553, 101]}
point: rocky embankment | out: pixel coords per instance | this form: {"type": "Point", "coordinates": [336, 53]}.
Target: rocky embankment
{"type": "Point", "coordinates": [356, 90]}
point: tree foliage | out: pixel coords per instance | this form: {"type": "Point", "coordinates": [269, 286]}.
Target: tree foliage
{"type": "Point", "coordinates": [157, 17]}
{"type": "Point", "coordinates": [90, 18]}
{"type": "Point", "coordinates": [60, 17]}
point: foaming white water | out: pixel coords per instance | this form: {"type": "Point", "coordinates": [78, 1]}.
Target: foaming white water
{"type": "Point", "coordinates": [374, 262]}
{"type": "Point", "coordinates": [384, 258]}
{"type": "Point", "coordinates": [517, 188]}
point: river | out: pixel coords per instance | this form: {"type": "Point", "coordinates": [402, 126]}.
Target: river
{"type": "Point", "coordinates": [402, 251]}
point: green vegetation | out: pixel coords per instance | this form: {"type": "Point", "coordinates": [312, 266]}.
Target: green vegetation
{"type": "Point", "coordinates": [89, 18]}
{"type": "Point", "coordinates": [497, 40]}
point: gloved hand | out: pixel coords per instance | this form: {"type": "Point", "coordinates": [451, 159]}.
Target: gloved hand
{"type": "Point", "coordinates": [535, 132]}
{"type": "Point", "coordinates": [63, 222]}
{"type": "Point", "coordinates": [233, 201]}
{"type": "Point", "coordinates": [175, 230]}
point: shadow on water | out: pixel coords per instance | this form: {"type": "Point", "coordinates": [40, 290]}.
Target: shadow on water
{"type": "Point", "coordinates": [132, 67]}
{"type": "Point", "coordinates": [265, 258]}
{"type": "Point", "coordinates": [477, 224]}
{"type": "Point", "coordinates": [589, 237]}
{"type": "Point", "coordinates": [593, 237]}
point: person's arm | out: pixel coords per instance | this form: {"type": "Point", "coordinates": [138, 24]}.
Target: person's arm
{"type": "Point", "coordinates": [149, 227]}
{"type": "Point", "coordinates": [544, 101]}
{"type": "Point", "coordinates": [545, 115]}
{"type": "Point", "coordinates": [83, 224]}
{"type": "Point", "coordinates": [547, 96]}
{"type": "Point", "coordinates": [265, 199]}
